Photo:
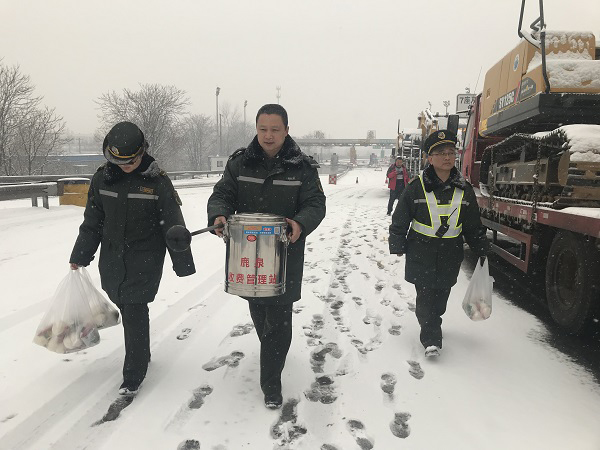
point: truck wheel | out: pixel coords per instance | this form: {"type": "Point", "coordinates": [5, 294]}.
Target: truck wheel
{"type": "Point", "coordinates": [572, 277]}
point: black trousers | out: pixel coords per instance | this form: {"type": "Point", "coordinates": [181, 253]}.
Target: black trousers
{"type": "Point", "coordinates": [136, 327]}
{"type": "Point", "coordinates": [431, 305]}
{"type": "Point", "coordinates": [273, 326]}
{"type": "Point", "coordinates": [394, 195]}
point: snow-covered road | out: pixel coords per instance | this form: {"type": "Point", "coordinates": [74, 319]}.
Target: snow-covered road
{"type": "Point", "coordinates": [355, 377]}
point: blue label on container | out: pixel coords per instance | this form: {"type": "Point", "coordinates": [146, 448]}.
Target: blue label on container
{"type": "Point", "coordinates": [259, 229]}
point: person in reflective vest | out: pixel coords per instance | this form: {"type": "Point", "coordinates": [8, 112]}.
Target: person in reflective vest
{"type": "Point", "coordinates": [436, 213]}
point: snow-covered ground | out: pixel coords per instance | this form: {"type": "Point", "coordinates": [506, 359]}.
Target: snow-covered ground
{"type": "Point", "coordinates": [355, 377]}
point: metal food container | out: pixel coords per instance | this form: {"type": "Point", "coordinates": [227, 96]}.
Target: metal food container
{"type": "Point", "coordinates": [256, 255]}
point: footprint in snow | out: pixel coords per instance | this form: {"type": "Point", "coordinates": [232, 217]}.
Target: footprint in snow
{"type": "Point", "coordinates": [339, 320]}
{"type": "Point", "coordinates": [185, 333]}
{"type": "Point", "coordinates": [336, 304]}
{"type": "Point", "coordinates": [415, 370]}
{"type": "Point", "coordinates": [240, 330]}
{"type": "Point", "coordinates": [328, 447]}
{"type": "Point", "coordinates": [398, 288]}
{"type": "Point", "coordinates": [372, 318]}
{"type": "Point", "coordinates": [379, 286]}
{"type": "Point", "coordinates": [398, 311]}
{"type": "Point", "coordinates": [286, 429]}
{"type": "Point", "coordinates": [231, 360]}
{"type": "Point", "coordinates": [7, 418]}
{"type": "Point", "coordinates": [189, 444]}
{"type": "Point", "coordinates": [399, 425]}
{"type": "Point", "coordinates": [357, 430]}
{"type": "Point", "coordinates": [297, 309]}
{"type": "Point", "coordinates": [317, 356]}
{"type": "Point", "coordinates": [312, 330]}
{"type": "Point", "coordinates": [395, 330]}
{"type": "Point", "coordinates": [388, 383]}
{"type": "Point", "coordinates": [322, 390]}
{"type": "Point", "coordinates": [199, 305]}
{"type": "Point", "coordinates": [115, 408]}
{"type": "Point", "coordinates": [363, 348]}
{"type": "Point", "coordinates": [357, 300]}
{"type": "Point", "coordinates": [198, 396]}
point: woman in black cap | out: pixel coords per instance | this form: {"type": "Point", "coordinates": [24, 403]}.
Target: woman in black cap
{"type": "Point", "coordinates": [131, 205]}
{"type": "Point", "coordinates": [434, 214]}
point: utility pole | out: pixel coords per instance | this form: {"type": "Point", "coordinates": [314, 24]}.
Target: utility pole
{"type": "Point", "coordinates": [245, 104]}
{"type": "Point", "coordinates": [220, 134]}
{"type": "Point", "coordinates": [278, 93]}
{"type": "Point", "coordinates": [217, 136]}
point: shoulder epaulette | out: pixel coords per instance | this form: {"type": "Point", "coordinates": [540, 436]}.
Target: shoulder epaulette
{"type": "Point", "coordinates": [163, 173]}
{"type": "Point", "coordinates": [238, 152]}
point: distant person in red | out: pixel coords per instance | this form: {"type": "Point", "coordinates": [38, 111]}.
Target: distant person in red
{"type": "Point", "coordinates": [397, 179]}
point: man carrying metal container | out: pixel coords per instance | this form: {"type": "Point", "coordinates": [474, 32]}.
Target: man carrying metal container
{"type": "Point", "coordinates": [272, 176]}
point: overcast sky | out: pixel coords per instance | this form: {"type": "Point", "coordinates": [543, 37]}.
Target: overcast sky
{"type": "Point", "coordinates": [344, 66]}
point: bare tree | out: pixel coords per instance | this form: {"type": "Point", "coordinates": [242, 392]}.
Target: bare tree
{"type": "Point", "coordinates": [40, 133]}
{"type": "Point", "coordinates": [234, 132]}
{"type": "Point", "coordinates": [155, 108]}
{"type": "Point", "coordinates": [16, 102]}
{"type": "Point", "coordinates": [317, 134]}
{"type": "Point", "coordinates": [197, 139]}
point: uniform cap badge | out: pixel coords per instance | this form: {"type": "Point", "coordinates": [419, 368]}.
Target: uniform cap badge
{"type": "Point", "coordinates": [441, 135]}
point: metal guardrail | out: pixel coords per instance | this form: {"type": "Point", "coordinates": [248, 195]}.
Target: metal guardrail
{"type": "Point", "coordinates": [44, 178]}
{"type": "Point", "coordinates": [32, 190]}
{"type": "Point", "coordinates": [193, 173]}
{"type": "Point", "coordinates": [36, 186]}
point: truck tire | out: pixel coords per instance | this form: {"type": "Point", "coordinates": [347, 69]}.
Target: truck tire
{"type": "Point", "coordinates": [572, 282]}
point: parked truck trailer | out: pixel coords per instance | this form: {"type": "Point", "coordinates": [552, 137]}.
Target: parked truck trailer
{"type": "Point", "coordinates": [532, 151]}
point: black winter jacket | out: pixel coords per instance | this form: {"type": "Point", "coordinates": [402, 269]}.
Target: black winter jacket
{"type": "Point", "coordinates": [252, 183]}
{"type": "Point", "coordinates": [435, 262]}
{"type": "Point", "coordinates": [129, 214]}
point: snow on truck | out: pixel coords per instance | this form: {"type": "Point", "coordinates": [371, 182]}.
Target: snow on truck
{"type": "Point", "coordinates": [532, 151]}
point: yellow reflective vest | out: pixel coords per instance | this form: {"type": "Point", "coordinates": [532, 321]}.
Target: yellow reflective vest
{"type": "Point", "coordinates": [437, 211]}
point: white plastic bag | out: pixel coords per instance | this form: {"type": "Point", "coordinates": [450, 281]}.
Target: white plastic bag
{"type": "Point", "coordinates": [104, 313]}
{"type": "Point", "coordinates": [477, 303]}
{"type": "Point", "coordinates": [68, 325]}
